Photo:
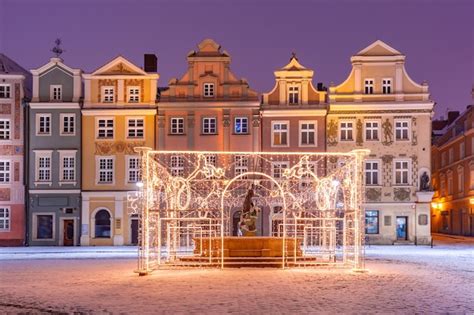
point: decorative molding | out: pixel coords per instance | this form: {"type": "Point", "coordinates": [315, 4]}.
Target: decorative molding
{"type": "Point", "coordinates": [387, 132]}
{"type": "Point", "coordinates": [414, 137]}
{"type": "Point", "coordinates": [373, 194]}
{"type": "Point", "coordinates": [108, 147]}
{"type": "Point", "coordinates": [359, 129]}
{"type": "Point", "coordinates": [401, 194]}
{"type": "Point", "coordinates": [331, 133]}
{"type": "Point", "coordinates": [256, 121]}
{"type": "Point", "coordinates": [387, 159]}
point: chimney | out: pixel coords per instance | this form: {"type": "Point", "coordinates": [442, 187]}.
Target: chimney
{"type": "Point", "coordinates": [321, 87]}
{"type": "Point", "coordinates": [452, 115]}
{"type": "Point", "coordinates": [150, 63]}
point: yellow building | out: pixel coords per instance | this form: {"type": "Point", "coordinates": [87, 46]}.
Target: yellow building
{"type": "Point", "coordinates": [118, 114]}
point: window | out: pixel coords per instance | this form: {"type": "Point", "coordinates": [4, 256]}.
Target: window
{"type": "Point", "coordinates": [68, 167]}
{"type": "Point", "coordinates": [133, 94]}
{"type": "Point", "coordinates": [401, 172]}
{"type": "Point", "coordinates": [106, 170]}
{"type": "Point", "coordinates": [4, 172]}
{"type": "Point", "coordinates": [241, 125]}
{"type": "Point", "coordinates": [5, 219]}
{"type": "Point", "coordinates": [401, 130]}
{"type": "Point", "coordinates": [43, 124]}
{"type": "Point", "coordinates": [443, 159]}
{"type": "Point", "coordinates": [372, 173]}
{"type": "Point", "coordinates": [369, 86]}
{"type": "Point", "coordinates": [44, 226]}
{"type": "Point", "coordinates": [209, 125]}
{"type": "Point", "coordinates": [346, 131]}
{"type": "Point", "coordinates": [387, 86]}
{"type": "Point", "coordinates": [422, 219]}
{"type": "Point", "coordinates": [307, 133]}
{"type": "Point", "coordinates": [450, 184]}
{"type": "Point", "coordinates": [462, 150]}
{"type": "Point", "coordinates": [102, 224]}
{"type": "Point", "coordinates": [68, 122]}
{"type": "Point", "coordinates": [177, 165]}
{"type": "Point", "coordinates": [442, 185]}
{"type": "Point", "coordinates": [450, 156]}
{"type": "Point", "coordinates": [177, 126]}
{"type": "Point", "coordinates": [293, 95]}
{"type": "Point", "coordinates": [371, 130]}
{"type": "Point", "coordinates": [208, 89]}
{"type": "Point", "coordinates": [105, 129]}
{"type": "Point", "coordinates": [471, 178]}
{"type": "Point", "coordinates": [133, 169]}
{"type": "Point", "coordinates": [5, 91]}
{"type": "Point", "coordinates": [460, 180]}
{"type": "Point", "coordinates": [211, 160]}
{"type": "Point", "coordinates": [280, 134]}
{"type": "Point", "coordinates": [56, 92]}
{"type": "Point", "coordinates": [306, 179]}
{"type": "Point", "coordinates": [108, 94]}
{"type": "Point", "coordinates": [241, 163]}
{"type": "Point", "coordinates": [5, 129]}
{"type": "Point", "coordinates": [371, 222]}
{"type": "Point", "coordinates": [278, 168]}
{"type": "Point", "coordinates": [135, 127]}
{"type": "Point", "coordinates": [43, 166]}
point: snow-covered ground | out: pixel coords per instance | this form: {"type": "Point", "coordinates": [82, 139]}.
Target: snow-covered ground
{"type": "Point", "coordinates": [402, 279]}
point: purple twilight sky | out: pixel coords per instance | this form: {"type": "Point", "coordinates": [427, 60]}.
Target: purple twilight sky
{"type": "Point", "coordinates": [436, 36]}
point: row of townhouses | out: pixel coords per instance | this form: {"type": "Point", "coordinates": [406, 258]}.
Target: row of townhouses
{"type": "Point", "coordinates": [64, 177]}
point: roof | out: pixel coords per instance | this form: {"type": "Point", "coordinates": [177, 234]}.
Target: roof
{"type": "Point", "coordinates": [9, 66]}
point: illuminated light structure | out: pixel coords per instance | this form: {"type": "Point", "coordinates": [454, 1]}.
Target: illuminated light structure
{"type": "Point", "coordinates": [186, 199]}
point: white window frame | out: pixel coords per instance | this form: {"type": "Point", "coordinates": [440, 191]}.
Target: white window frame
{"type": "Point", "coordinates": [294, 89]}
{"type": "Point", "coordinates": [135, 128]}
{"type": "Point", "coordinates": [132, 171]}
{"type": "Point", "coordinates": [38, 119]}
{"type": "Point", "coordinates": [243, 131]}
{"type": "Point", "coordinates": [107, 98]}
{"type": "Point", "coordinates": [408, 128]}
{"type": "Point", "coordinates": [371, 129]}
{"type": "Point", "coordinates": [241, 165]}
{"type": "Point", "coordinates": [282, 169]}
{"type": "Point", "coordinates": [369, 86]}
{"type": "Point", "coordinates": [6, 218]}
{"type": "Point", "coordinates": [371, 171]}
{"type": "Point", "coordinates": [175, 128]}
{"type": "Point", "coordinates": [63, 154]}
{"type": "Point", "coordinates": [409, 172]}
{"type": "Point", "coordinates": [6, 172]}
{"type": "Point", "coordinates": [6, 130]}
{"type": "Point", "coordinates": [35, 226]}
{"type": "Point", "coordinates": [39, 154]}
{"type": "Point", "coordinates": [208, 89]}
{"type": "Point", "coordinates": [177, 165]}
{"type": "Point", "coordinates": [341, 128]}
{"type": "Point", "coordinates": [308, 131]}
{"type": "Point", "coordinates": [387, 86]}
{"type": "Point", "coordinates": [106, 170]}
{"type": "Point", "coordinates": [7, 89]}
{"type": "Point", "coordinates": [52, 93]}
{"type": "Point", "coordinates": [106, 128]}
{"type": "Point", "coordinates": [63, 124]}
{"type": "Point", "coordinates": [307, 178]}
{"type": "Point", "coordinates": [133, 97]}
{"type": "Point", "coordinates": [281, 122]}
{"type": "Point", "coordinates": [207, 120]}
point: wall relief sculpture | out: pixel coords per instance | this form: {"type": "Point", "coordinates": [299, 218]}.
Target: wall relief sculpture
{"type": "Point", "coordinates": [387, 133]}
{"type": "Point", "coordinates": [373, 194]}
{"type": "Point", "coordinates": [401, 194]}
{"type": "Point", "coordinates": [414, 137]}
{"type": "Point", "coordinates": [107, 148]}
{"type": "Point", "coordinates": [359, 130]}
{"type": "Point", "coordinates": [332, 133]}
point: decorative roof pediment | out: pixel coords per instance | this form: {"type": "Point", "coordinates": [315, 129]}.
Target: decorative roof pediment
{"type": "Point", "coordinates": [294, 68]}
{"type": "Point", "coordinates": [55, 63]}
{"type": "Point", "coordinates": [379, 48]}
{"type": "Point", "coordinates": [209, 45]}
{"type": "Point", "coordinates": [294, 64]}
{"type": "Point", "coordinates": [119, 66]}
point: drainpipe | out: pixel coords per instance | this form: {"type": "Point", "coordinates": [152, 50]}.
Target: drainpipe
{"type": "Point", "coordinates": [26, 156]}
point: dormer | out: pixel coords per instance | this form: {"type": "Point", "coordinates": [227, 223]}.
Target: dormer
{"type": "Point", "coordinates": [208, 78]}
{"type": "Point", "coordinates": [56, 83]}
{"type": "Point", "coordinates": [379, 75]}
{"type": "Point", "coordinates": [120, 83]}
{"type": "Point", "coordinates": [294, 87]}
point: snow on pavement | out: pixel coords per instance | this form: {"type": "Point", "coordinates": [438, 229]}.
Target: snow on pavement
{"type": "Point", "coordinates": [401, 280]}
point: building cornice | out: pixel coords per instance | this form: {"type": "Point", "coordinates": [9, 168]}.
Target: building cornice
{"type": "Point", "coordinates": [36, 105]}
{"type": "Point", "coordinates": [293, 112]}
{"type": "Point", "coordinates": [388, 107]}
{"type": "Point", "coordinates": [115, 111]}
{"type": "Point", "coordinates": [204, 105]}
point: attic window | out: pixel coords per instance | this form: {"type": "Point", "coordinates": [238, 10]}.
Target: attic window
{"type": "Point", "coordinates": [293, 95]}
{"type": "Point", "coordinates": [369, 86]}
{"type": "Point", "coordinates": [208, 89]}
{"type": "Point", "coordinates": [5, 91]}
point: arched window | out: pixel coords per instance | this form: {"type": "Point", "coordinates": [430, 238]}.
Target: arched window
{"type": "Point", "coordinates": [102, 224]}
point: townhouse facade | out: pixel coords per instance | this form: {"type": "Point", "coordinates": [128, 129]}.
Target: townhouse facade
{"type": "Point", "coordinates": [54, 155]}
{"type": "Point", "coordinates": [14, 89]}
{"type": "Point", "coordinates": [118, 115]}
{"type": "Point", "coordinates": [453, 175]}
{"type": "Point", "coordinates": [293, 118]}
{"type": "Point", "coordinates": [380, 108]}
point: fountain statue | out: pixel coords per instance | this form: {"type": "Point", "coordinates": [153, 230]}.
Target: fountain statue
{"type": "Point", "coordinates": [249, 215]}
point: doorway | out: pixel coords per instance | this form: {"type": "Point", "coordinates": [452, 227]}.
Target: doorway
{"type": "Point", "coordinates": [134, 230]}
{"type": "Point", "coordinates": [68, 232]}
{"type": "Point", "coordinates": [402, 228]}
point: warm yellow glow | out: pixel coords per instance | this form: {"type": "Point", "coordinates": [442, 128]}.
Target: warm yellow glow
{"type": "Point", "coordinates": [471, 201]}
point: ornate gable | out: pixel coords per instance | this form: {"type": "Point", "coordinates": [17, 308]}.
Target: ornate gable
{"type": "Point", "coordinates": [119, 66]}
{"type": "Point", "coordinates": [379, 48]}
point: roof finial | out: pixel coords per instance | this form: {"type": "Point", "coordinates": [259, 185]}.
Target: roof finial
{"type": "Point", "coordinates": [293, 55]}
{"type": "Point", "coordinates": [57, 50]}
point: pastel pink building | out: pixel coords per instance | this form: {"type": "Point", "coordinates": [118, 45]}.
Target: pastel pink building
{"type": "Point", "coordinates": [13, 82]}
